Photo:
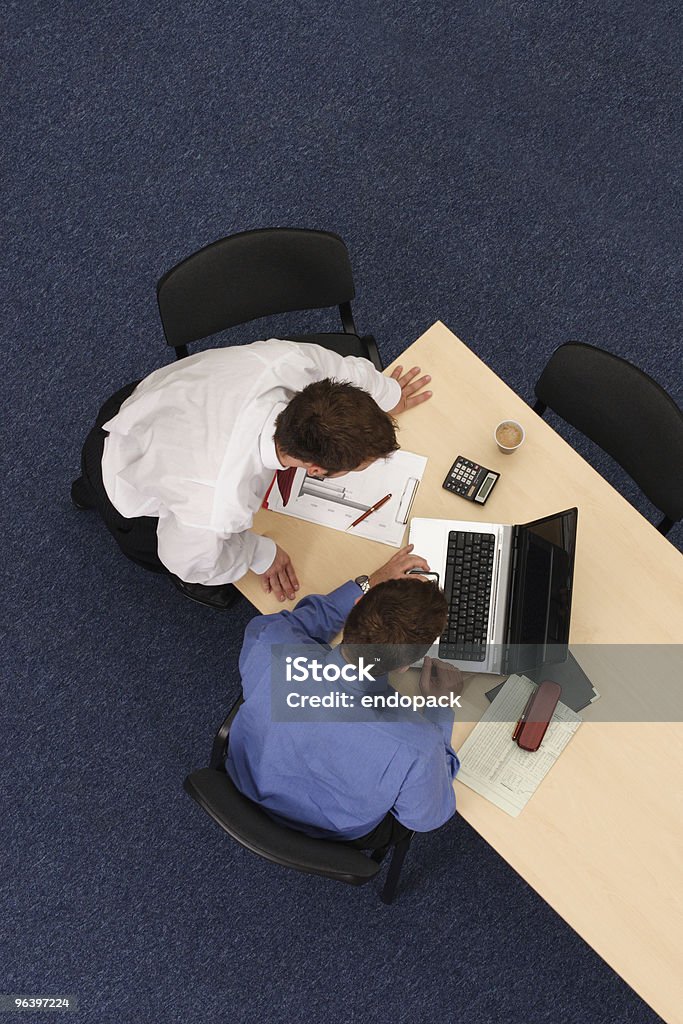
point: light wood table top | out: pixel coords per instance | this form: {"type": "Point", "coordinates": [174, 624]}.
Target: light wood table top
{"type": "Point", "coordinates": [602, 838]}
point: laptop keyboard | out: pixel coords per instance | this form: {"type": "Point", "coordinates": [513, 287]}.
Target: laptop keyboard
{"type": "Point", "coordinates": [467, 587]}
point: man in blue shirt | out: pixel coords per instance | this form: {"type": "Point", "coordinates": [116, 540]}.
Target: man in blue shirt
{"type": "Point", "coordinates": [362, 775]}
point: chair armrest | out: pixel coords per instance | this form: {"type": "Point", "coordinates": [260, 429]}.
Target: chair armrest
{"type": "Point", "coordinates": [219, 749]}
{"type": "Point", "coordinates": [373, 352]}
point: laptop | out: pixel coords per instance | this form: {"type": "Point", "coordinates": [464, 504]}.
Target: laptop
{"type": "Point", "coordinates": [509, 590]}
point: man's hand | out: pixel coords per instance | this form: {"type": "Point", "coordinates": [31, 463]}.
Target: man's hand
{"type": "Point", "coordinates": [439, 679]}
{"type": "Point", "coordinates": [397, 567]}
{"type": "Point", "coordinates": [409, 389]}
{"type": "Point", "coordinates": [280, 579]}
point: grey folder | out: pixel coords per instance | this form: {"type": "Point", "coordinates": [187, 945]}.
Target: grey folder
{"type": "Point", "coordinates": [577, 689]}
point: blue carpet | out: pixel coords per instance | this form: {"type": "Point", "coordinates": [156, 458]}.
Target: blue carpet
{"type": "Point", "coordinates": [508, 168]}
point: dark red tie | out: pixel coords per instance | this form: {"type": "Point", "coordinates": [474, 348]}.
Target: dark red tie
{"type": "Point", "coordinates": [285, 479]}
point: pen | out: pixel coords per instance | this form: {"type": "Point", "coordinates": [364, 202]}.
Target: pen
{"type": "Point", "coordinates": [378, 504]}
{"type": "Point", "coordinates": [522, 719]}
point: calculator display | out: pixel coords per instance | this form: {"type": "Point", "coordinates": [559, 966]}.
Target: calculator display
{"type": "Point", "coordinates": [485, 488]}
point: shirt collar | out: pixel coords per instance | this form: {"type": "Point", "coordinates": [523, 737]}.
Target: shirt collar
{"type": "Point", "coordinates": [266, 442]}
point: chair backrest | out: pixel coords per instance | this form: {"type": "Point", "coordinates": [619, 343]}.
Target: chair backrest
{"type": "Point", "coordinates": [623, 410]}
{"type": "Point", "coordinates": [251, 827]}
{"type": "Point", "coordinates": [250, 275]}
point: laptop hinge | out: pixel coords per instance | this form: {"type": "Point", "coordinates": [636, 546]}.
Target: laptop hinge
{"type": "Point", "coordinates": [511, 590]}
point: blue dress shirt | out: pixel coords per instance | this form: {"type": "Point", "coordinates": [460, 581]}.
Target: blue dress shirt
{"type": "Point", "coordinates": [335, 778]}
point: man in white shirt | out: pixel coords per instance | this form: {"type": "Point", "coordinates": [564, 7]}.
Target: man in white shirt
{"type": "Point", "coordinates": [180, 469]}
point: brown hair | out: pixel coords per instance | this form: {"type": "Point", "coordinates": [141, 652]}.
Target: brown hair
{"type": "Point", "coordinates": [335, 425]}
{"type": "Point", "coordinates": [395, 623]}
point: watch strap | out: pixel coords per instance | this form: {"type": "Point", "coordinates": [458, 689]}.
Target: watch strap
{"type": "Point", "coordinates": [363, 582]}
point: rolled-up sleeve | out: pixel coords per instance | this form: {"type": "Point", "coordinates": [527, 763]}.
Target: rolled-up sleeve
{"type": "Point", "coordinates": [385, 390]}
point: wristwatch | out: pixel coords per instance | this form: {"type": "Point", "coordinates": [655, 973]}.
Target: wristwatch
{"type": "Point", "coordinates": [363, 582]}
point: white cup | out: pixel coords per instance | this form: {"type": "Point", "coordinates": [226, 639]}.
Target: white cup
{"type": "Point", "coordinates": [508, 449]}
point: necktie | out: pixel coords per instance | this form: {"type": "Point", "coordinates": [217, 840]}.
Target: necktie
{"type": "Point", "coordinates": [285, 479]}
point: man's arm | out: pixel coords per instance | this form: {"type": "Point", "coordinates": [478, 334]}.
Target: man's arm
{"type": "Point", "coordinates": [203, 556]}
{"type": "Point", "coordinates": [385, 390]}
{"type": "Point", "coordinates": [427, 799]}
{"type": "Point", "coordinates": [315, 620]}
{"type": "Point", "coordinates": [440, 679]}
{"type": "Point", "coordinates": [395, 394]}
{"type": "Point", "coordinates": [319, 617]}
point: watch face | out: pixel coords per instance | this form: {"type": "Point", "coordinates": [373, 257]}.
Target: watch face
{"type": "Point", "coordinates": [363, 582]}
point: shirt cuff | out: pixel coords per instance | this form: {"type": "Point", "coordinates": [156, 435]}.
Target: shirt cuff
{"type": "Point", "coordinates": [264, 554]}
{"type": "Point", "coordinates": [345, 597]}
{"type": "Point", "coordinates": [392, 396]}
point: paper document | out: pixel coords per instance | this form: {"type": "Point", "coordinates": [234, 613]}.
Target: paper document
{"type": "Point", "coordinates": [339, 501]}
{"type": "Point", "coordinates": [494, 766]}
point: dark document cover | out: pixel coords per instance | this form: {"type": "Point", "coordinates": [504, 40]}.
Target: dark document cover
{"type": "Point", "coordinates": [577, 689]}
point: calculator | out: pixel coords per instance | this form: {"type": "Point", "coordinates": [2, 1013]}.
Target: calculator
{"type": "Point", "coordinates": [470, 480]}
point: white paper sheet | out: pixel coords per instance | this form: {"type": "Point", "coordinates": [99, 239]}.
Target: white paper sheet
{"type": "Point", "coordinates": [494, 766]}
{"type": "Point", "coordinates": [338, 502]}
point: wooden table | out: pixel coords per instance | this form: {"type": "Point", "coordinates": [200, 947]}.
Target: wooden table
{"type": "Point", "coordinates": [602, 838]}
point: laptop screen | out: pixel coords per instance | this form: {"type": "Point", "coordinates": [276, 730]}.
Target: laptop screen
{"type": "Point", "coordinates": [542, 591]}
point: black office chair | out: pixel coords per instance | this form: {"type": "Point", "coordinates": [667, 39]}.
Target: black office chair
{"type": "Point", "coordinates": [214, 791]}
{"type": "Point", "coordinates": [624, 411]}
{"type": "Point", "coordinates": [238, 279]}
{"type": "Point", "coordinates": [260, 273]}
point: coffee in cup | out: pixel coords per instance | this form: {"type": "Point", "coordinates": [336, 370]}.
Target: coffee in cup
{"type": "Point", "coordinates": [509, 435]}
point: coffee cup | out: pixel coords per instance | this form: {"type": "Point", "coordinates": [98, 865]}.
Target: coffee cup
{"type": "Point", "coordinates": [509, 436]}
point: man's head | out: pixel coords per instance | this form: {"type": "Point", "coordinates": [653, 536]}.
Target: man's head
{"type": "Point", "coordinates": [395, 622]}
{"type": "Point", "coordinates": [332, 427]}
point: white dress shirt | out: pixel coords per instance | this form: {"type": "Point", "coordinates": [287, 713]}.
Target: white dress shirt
{"type": "Point", "coordinates": [194, 446]}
